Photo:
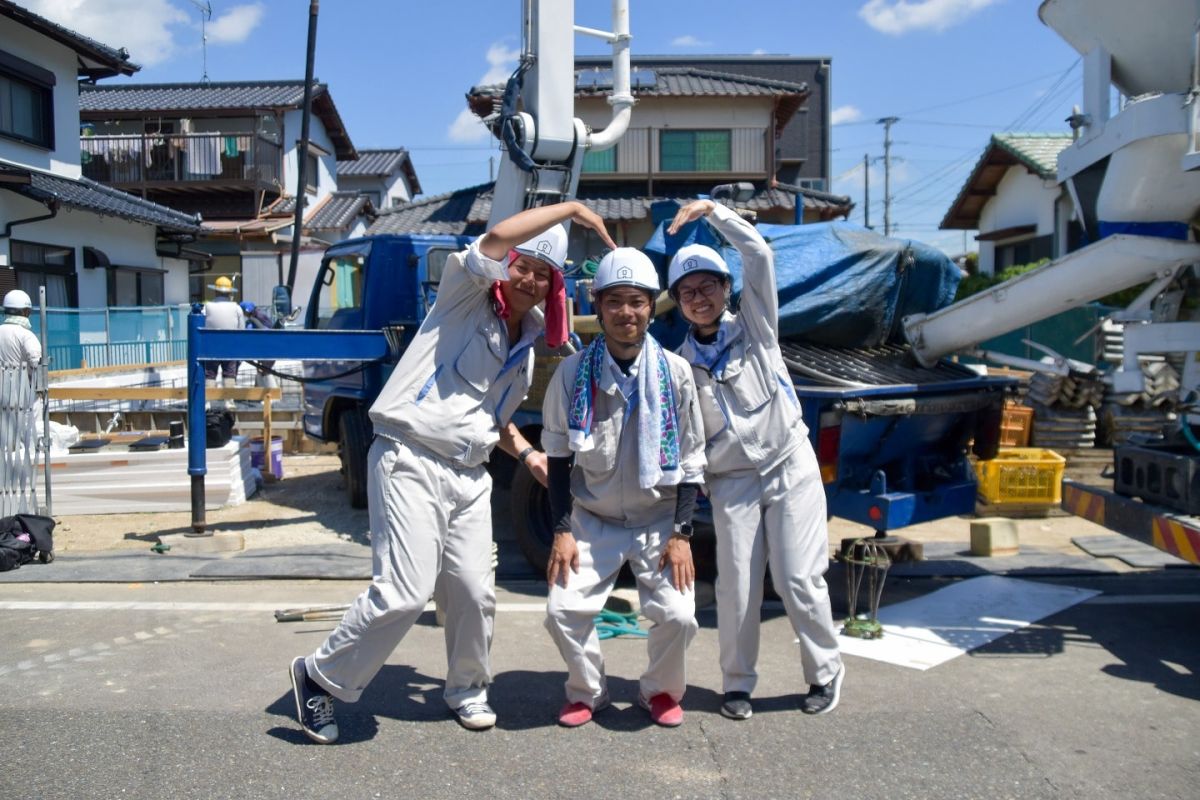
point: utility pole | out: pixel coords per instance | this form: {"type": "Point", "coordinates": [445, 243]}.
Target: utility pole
{"type": "Point", "coordinates": [866, 191]}
{"type": "Point", "coordinates": [302, 151]}
{"type": "Point", "coordinates": [887, 123]}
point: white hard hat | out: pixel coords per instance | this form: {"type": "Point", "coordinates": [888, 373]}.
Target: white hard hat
{"type": "Point", "coordinates": [695, 258]}
{"type": "Point", "coordinates": [550, 246]}
{"type": "Point", "coordinates": [17, 300]}
{"type": "Point", "coordinates": [626, 266]}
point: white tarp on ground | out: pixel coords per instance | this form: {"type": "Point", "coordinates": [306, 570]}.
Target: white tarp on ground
{"type": "Point", "coordinates": [942, 625]}
{"type": "Point", "coordinates": [118, 482]}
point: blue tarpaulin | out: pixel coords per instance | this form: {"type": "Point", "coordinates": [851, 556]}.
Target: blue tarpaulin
{"type": "Point", "coordinates": [839, 284]}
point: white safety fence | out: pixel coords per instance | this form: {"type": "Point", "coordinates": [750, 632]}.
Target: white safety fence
{"type": "Point", "coordinates": [22, 397]}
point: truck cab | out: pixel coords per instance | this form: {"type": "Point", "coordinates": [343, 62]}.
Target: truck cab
{"type": "Point", "coordinates": [375, 283]}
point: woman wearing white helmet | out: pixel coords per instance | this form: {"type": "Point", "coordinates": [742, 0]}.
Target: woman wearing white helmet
{"type": "Point", "coordinates": [625, 410]}
{"type": "Point", "coordinates": [447, 404]}
{"type": "Point", "coordinates": [19, 346]}
{"type": "Point", "coordinates": [762, 477]}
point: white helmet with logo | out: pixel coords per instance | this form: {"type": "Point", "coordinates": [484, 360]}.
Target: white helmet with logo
{"type": "Point", "coordinates": [17, 300]}
{"type": "Point", "coordinates": [695, 258]}
{"type": "Point", "coordinates": [626, 266]}
{"type": "Point", "coordinates": [550, 246]}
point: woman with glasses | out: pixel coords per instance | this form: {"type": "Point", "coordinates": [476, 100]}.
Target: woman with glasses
{"type": "Point", "coordinates": [762, 476]}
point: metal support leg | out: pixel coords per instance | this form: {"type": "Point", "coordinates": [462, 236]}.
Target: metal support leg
{"type": "Point", "coordinates": [197, 438]}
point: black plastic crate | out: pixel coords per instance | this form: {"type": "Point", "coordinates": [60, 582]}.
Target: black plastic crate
{"type": "Point", "coordinates": [1168, 475]}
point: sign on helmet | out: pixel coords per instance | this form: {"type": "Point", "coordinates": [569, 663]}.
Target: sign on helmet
{"type": "Point", "coordinates": [626, 266]}
{"type": "Point", "coordinates": [695, 258]}
{"type": "Point", "coordinates": [549, 245]}
{"type": "Point", "coordinates": [17, 300]}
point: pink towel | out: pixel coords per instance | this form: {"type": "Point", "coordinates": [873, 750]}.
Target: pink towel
{"type": "Point", "coordinates": [556, 305]}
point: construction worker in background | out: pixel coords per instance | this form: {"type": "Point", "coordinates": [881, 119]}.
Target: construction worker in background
{"type": "Point", "coordinates": [223, 314]}
{"type": "Point", "coordinates": [625, 410]}
{"type": "Point", "coordinates": [448, 402]}
{"type": "Point", "coordinates": [19, 346]}
{"type": "Point", "coordinates": [762, 478]}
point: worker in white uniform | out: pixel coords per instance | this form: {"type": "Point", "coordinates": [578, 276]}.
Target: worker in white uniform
{"type": "Point", "coordinates": [767, 497]}
{"type": "Point", "coordinates": [448, 402]}
{"type": "Point", "coordinates": [19, 346]}
{"type": "Point", "coordinates": [625, 410]}
{"type": "Point", "coordinates": [223, 314]}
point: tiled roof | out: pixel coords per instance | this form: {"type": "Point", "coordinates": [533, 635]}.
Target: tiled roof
{"type": "Point", "coordinates": [1037, 152]}
{"type": "Point", "coordinates": [87, 195]}
{"type": "Point", "coordinates": [182, 98]}
{"type": "Point", "coordinates": [466, 211]}
{"type": "Point", "coordinates": [673, 82]}
{"type": "Point", "coordinates": [374, 163]}
{"type": "Point", "coordinates": [381, 163]}
{"type": "Point", "coordinates": [96, 60]}
{"type": "Point", "coordinates": [338, 211]}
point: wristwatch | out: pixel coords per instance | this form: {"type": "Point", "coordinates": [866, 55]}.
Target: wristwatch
{"type": "Point", "coordinates": [683, 530]}
{"type": "Point", "coordinates": [524, 454]}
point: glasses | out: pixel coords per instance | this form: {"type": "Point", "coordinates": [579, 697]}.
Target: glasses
{"type": "Point", "coordinates": [706, 288]}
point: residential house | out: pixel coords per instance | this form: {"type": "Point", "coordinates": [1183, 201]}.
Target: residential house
{"type": "Point", "coordinates": [386, 177]}
{"type": "Point", "coordinates": [1013, 199]}
{"type": "Point", "coordinates": [693, 128]}
{"type": "Point", "coordinates": [230, 151]}
{"type": "Point", "coordinates": [90, 245]}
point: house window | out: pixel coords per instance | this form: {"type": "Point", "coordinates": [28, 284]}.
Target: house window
{"type": "Point", "coordinates": [1026, 251]}
{"type": "Point", "coordinates": [694, 151]}
{"type": "Point", "coordinates": [817, 184]}
{"type": "Point", "coordinates": [26, 101]}
{"type": "Point", "coordinates": [129, 286]}
{"type": "Point", "coordinates": [46, 265]}
{"type": "Point", "coordinates": [311, 177]}
{"type": "Point", "coordinates": [602, 161]}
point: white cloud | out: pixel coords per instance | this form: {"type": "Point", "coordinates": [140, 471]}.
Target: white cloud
{"type": "Point", "coordinates": [146, 28]}
{"type": "Point", "coordinates": [844, 114]}
{"type": "Point", "coordinates": [758, 51]}
{"type": "Point", "coordinates": [502, 60]}
{"type": "Point", "coordinates": [235, 25]}
{"type": "Point", "coordinates": [688, 41]}
{"type": "Point", "coordinates": [897, 17]}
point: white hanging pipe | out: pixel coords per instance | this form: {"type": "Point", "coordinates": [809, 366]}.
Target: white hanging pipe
{"type": "Point", "coordinates": [621, 98]}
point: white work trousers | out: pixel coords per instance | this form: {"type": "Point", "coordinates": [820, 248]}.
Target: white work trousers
{"type": "Point", "coordinates": [431, 528]}
{"type": "Point", "coordinates": [571, 612]}
{"type": "Point", "coordinates": [777, 518]}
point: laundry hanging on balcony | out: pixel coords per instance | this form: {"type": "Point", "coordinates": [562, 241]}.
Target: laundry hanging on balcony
{"type": "Point", "coordinates": [204, 155]}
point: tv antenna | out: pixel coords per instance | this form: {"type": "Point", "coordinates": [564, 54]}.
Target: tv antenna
{"type": "Point", "coordinates": [205, 9]}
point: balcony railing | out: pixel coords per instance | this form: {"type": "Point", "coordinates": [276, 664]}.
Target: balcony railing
{"type": "Point", "coordinates": [244, 159]}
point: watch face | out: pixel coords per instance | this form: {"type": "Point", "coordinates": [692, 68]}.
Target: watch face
{"type": "Point", "coordinates": [684, 530]}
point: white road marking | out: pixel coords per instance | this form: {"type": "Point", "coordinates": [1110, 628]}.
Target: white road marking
{"type": "Point", "coordinates": [128, 605]}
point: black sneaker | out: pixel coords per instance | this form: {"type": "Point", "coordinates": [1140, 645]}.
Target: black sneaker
{"type": "Point", "coordinates": [823, 699]}
{"type": "Point", "coordinates": [314, 706]}
{"type": "Point", "coordinates": [736, 705]}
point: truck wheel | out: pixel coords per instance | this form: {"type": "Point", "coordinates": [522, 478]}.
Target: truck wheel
{"type": "Point", "coordinates": [531, 519]}
{"type": "Point", "coordinates": [354, 441]}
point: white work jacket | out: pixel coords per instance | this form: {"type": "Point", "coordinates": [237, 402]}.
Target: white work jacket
{"type": "Point", "coordinates": [224, 315]}
{"type": "Point", "coordinates": [604, 480]}
{"type": "Point", "coordinates": [19, 346]}
{"type": "Point", "coordinates": [751, 413]}
{"type": "Point", "coordinates": [459, 382]}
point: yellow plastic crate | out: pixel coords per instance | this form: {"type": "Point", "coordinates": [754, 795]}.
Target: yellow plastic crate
{"type": "Point", "coordinates": [1021, 475]}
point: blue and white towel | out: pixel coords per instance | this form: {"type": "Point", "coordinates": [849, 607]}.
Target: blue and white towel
{"type": "Point", "coordinates": [658, 425]}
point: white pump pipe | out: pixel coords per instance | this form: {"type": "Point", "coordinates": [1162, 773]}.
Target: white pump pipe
{"type": "Point", "coordinates": [621, 98]}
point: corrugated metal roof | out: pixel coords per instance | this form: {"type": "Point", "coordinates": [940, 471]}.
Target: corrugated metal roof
{"type": "Point", "coordinates": [1037, 152]}
{"type": "Point", "coordinates": [181, 98]}
{"type": "Point", "coordinates": [466, 211]}
{"type": "Point", "coordinates": [87, 195]}
{"type": "Point", "coordinates": [374, 163]}
{"type": "Point", "coordinates": [96, 60]}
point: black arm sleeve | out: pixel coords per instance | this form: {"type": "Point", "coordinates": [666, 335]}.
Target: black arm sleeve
{"type": "Point", "coordinates": [685, 502]}
{"type": "Point", "coordinates": [559, 470]}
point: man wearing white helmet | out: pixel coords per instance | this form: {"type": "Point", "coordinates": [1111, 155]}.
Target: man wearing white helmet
{"type": "Point", "coordinates": [626, 411]}
{"type": "Point", "coordinates": [19, 346]}
{"type": "Point", "coordinates": [446, 405]}
{"type": "Point", "coordinates": [763, 480]}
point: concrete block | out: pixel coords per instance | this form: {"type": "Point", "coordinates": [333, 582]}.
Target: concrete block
{"type": "Point", "coordinates": [994, 536]}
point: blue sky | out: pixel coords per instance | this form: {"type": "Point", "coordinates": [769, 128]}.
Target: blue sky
{"type": "Point", "coordinates": [954, 71]}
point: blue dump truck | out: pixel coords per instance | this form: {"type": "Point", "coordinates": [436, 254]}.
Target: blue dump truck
{"type": "Point", "coordinates": [892, 437]}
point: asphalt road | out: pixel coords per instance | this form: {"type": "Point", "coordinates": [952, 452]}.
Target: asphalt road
{"type": "Point", "coordinates": [182, 693]}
